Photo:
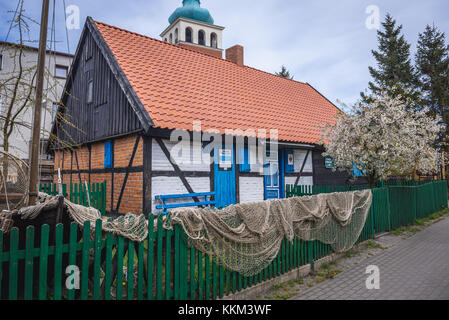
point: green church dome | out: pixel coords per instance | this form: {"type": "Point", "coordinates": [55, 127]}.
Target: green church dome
{"type": "Point", "coordinates": [191, 10]}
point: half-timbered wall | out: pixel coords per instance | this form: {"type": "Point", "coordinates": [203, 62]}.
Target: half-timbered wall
{"type": "Point", "coordinates": [165, 180]}
{"type": "Point", "coordinates": [124, 181]}
{"type": "Point", "coordinates": [251, 189]}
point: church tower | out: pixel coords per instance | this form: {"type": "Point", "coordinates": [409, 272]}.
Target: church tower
{"type": "Point", "coordinates": [193, 27]}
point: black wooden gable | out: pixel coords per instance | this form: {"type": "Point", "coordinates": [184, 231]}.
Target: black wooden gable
{"type": "Point", "coordinates": [98, 100]}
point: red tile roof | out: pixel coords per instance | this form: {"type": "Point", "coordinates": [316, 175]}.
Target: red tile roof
{"type": "Point", "coordinates": [178, 86]}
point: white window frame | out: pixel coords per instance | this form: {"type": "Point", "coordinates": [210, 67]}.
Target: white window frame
{"type": "Point", "coordinates": [60, 67]}
{"type": "Point", "coordinates": [90, 92]}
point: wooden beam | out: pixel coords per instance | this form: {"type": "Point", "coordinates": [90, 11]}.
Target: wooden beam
{"type": "Point", "coordinates": [302, 168]}
{"type": "Point", "coordinates": [71, 165]}
{"type": "Point", "coordinates": [178, 171]}
{"type": "Point", "coordinates": [147, 174]}
{"type": "Point", "coordinates": [112, 176]}
{"type": "Point", "coordinates": [131, 161]}
{"type": "Point", "coordinates": [78, 166]}
{"type": "Point", "coordinates": [237, 174]}
{"type": "Point", "coordinates": [89, 147]}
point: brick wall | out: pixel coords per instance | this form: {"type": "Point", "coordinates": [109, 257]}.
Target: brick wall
{"type": "Point", "coordinates": [132, 200]}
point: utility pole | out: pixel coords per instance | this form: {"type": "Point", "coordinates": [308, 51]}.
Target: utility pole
{"type": "Point", "coordinates": [35, 142]}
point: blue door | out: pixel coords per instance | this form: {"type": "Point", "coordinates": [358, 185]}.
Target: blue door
{"type": "Point", "coordinates": [271, 175]}
{"type": "Point", "coordinates": [224, 176]}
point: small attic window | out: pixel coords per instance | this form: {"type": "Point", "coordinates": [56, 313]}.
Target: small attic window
{"type": "Point", "coordinates": [189, 35]}
{"type": "Point", "coordinates": [88, 49]}
{"type": "Point", "coordinates": [171, 38]}
{"type": "Point", "coordinates": [90, 91]}
{"type": "Point", "coordinates": [176, 36]}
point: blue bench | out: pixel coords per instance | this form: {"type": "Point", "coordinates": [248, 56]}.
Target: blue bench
{"type": "Point", "coordinates": [165, 207]}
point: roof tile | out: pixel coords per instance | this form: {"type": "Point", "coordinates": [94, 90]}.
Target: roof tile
{"type": "Point", "coordinates": [178, 86]}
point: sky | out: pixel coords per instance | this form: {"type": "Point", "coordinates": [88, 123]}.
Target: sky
{"type": "Point", "coordinates": [325, 43]}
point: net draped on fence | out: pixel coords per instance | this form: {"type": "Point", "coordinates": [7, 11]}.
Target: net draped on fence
{"type": "Point", "coordinates": [130, 226]}
{"type": "Point", "coordinates": [246, 238]}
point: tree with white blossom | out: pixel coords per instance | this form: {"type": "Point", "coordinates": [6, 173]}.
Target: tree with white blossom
{"type": "Point", "coordinates": [387, 137]}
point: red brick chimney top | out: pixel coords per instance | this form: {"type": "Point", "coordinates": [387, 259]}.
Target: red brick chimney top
{"type": "Point", "coordinates": [235, 54]}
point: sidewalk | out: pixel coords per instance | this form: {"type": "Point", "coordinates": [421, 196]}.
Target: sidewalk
{"type": "Point", "coordinates": [415, 268]}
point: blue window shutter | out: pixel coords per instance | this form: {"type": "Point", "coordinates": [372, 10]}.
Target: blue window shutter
{"type": "Point", "coordinates": [289, 161]}
{"type": "Point", "coordinates": [244, 160]}
{"type": "Point", "coordinates": [108, 155]}
{"type": "Point", "coordinates": [356, 172]}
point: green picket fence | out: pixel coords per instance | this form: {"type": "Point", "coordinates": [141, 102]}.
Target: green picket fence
{"type": "Point", "coordinates": [162, 267]}
{"type": "Point", "coordinates": [396, 204]}
{"type": "Point", "coordinates": [407, 204]}
{"type": "Point", "coordinates": [78, 194]}
{"type": "Point", "coordinates": [402, 183]}
{"type": "Point", "coordinates": [33, 262]}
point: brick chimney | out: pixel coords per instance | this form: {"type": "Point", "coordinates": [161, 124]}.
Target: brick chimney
{"type": "Point", "coordinates": [235, 54]}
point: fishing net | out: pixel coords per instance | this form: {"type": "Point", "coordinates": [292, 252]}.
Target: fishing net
{"type": "Point", "coordinates": [247, 237]}
{"type": "Point", "coordinates": [13, 181]}
{"type": "Point", "coordinates": [130, 226]}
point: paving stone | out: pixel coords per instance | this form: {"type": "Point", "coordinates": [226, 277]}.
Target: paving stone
{"type": "Point", "coordinates": [411, 269]}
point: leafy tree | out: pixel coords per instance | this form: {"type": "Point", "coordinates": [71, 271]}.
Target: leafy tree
{"type": "Point", "coordinates": [390, 136]}
{"type": "Point", "coordinates": [395, 73]}
{"type": "Point", "coordinates": [432, 62]}
{"type": "Point", "coordinates": [284, 73]}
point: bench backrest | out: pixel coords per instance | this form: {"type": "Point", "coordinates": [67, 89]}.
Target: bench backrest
{"type": "Point", "coordinates": [199, 200]}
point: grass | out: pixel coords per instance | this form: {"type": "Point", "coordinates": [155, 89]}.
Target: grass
{"type": "Point", "coordinates": [351, 253]}
{"type": "Point", "coordinates": [325, 266]}
{"type": "Point", "coordinates": [419, 224]}
{"type": "Point", "coordinates": [374, 245]}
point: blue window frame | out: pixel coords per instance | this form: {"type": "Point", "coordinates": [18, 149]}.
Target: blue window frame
{"type": "Point", "coordinates": [289, 161]}
{"type": "Point", "coordinates": [108, 154]}
{"type": "Point", "coordinates": [245, 165]}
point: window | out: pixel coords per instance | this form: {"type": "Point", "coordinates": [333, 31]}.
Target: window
{"type": "Point", "coordinates": [108, 151]}
{"type": "Point", "coordinates": [245, 165]}
{"type": "Point", "coordinates": [1, 62]}
{"type": "Point", "coordinates": [176, 36]}
{"type": "Point", "coordinates": [171, 38]}
{"type": "Point", "coordinates": [213, 40]}
{"type": "Point", "coordinates": [54, 111]}
{"type": "Point", "coordinates": [88, 49]}
{"type": "Point", "coordinates": [188, 35]}
{"type": "Point", "coordinates": [289, 161]}
{"type": "Point", "coordinates": [90, 92]}
{"type": "Point", "coordinates": [61, 72]}
{"type": "Point", "coordinates": [358, 172]}
{"type": "Point", "coordinates": [201, 38]}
